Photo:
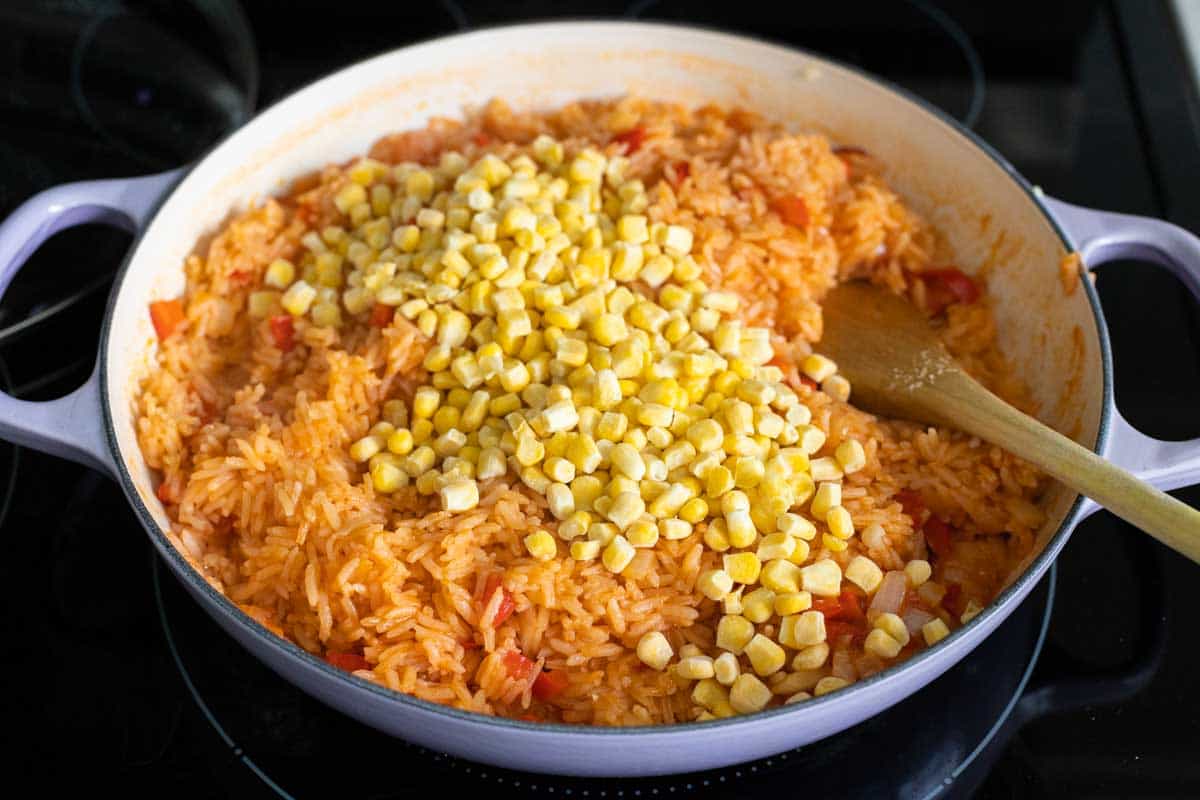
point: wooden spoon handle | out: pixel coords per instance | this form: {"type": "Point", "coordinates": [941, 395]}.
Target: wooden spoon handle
{"type": "Point", "coordinates": [977, 411]}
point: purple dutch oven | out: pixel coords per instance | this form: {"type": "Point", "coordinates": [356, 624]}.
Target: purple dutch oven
{"type": "Point", "coordinates": [992, 218]}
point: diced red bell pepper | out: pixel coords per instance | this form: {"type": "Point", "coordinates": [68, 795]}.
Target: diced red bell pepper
{"type": "Point", "coordinates": [829, 606]}
{"type": "Point", "coordinates": [166, 316]}
{"type": "Point", "coordinates": [793, 210]}
{"type": "Point", "coordinates": [506, 607]}
{"type": "Point", "coordinates": [382, 316]}
{"type": "Point", "coordinates": [283, 331]}
{"type": "Point", "coordinates": [165, 493]}
{"type": "Point", "coordinates": [837, 629]}
{"type": "Point", "coordinates": [952, 600]}
{"type": "Point", "coordinates": [631, 139]}
{"type": "Point", "coordinates": [944, 287]}
{"type": "Point", "coordinates": [937, 535]}
{"type": "Point", "coordinates": [518, 666]}
{"type": "Point", "coordinates": [912, 503]}
{"type": "Point", "coordinates": [549, 685]}
{"type": "Point", "coordinates": [347, 661]}
{"type": "Point", "coordinates": [680, 170]}
{"type": "Point", "coordinates": [846, 607]}
{"type": "Point", "coordinates": [851, 603]}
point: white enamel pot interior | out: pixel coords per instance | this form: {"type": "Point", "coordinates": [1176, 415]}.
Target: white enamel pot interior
{"type": "Point", "coordinates": [990, 216]}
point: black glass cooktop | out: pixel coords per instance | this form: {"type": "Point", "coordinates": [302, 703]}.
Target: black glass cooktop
{"type": "Point", "coordinates": [114, 677]}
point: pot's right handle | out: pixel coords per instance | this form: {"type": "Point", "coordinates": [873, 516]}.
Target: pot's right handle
{"type": "Point", "coordinates": [71, 426]}
{"type": "Point", "coordinates": [1101, 236]}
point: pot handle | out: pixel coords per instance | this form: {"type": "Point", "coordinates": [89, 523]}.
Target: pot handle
{"type": "Point", "coordinates": [1101, 236]}
{"type": "Point", "coordinates": [71, 426]}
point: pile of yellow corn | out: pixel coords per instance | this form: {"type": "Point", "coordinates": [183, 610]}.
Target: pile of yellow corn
{"type": "Point", "coordinates": [575, 346]}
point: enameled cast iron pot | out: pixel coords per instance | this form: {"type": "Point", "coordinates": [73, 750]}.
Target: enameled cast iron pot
{"type": "Point", "coordinates": [995, 221]}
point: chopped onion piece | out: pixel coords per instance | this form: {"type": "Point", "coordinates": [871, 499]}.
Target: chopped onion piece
{"type": "Point", "coordinates": [914, 618]}
{"type": "Point", "coordinates": [889, 596]}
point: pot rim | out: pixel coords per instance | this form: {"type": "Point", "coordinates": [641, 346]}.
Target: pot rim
{"type": "Point", "coordinates": [288, 649]}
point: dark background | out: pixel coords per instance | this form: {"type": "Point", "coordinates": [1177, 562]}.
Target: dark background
{"type": "Point", "coordinates": [1094, 101]}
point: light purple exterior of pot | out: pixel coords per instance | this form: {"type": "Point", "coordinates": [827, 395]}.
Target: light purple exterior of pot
{"type": "Point", "coordinates": [77, 427]}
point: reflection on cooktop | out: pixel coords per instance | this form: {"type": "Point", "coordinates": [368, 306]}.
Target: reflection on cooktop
{"type": "Point", "coordinates": [284, 734]}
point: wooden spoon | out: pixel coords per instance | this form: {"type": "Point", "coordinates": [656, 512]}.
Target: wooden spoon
{"type": "Point", "coordinates": [899, 368]}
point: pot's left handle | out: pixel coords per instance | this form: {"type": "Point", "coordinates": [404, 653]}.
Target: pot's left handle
{"type": "Point", "coordinates": [71, 426]}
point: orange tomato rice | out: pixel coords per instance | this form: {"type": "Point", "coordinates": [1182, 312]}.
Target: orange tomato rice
{"type": "Point", "coordinates": [250, 433]}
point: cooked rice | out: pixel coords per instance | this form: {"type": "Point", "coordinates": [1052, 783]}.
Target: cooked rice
{"type": "Point", "coordinates": [252, 442]}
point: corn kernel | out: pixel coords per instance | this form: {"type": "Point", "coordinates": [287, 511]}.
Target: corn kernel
{"type": "Point", "coordinates": [541, 545]}
{"type": "Point", "coordinates": [893, 626]}
{"type": "Point", "coordinates": [459, 495]}
{"type": "Point", "coordinates": [829, 684]}
{"type": "Point", "coordinates": [811, 440]}
{"type": "Point", "coordinates": [280, 273]}
{"type": "Point", "coordinates": [851, 456]}
{"type": "Point", "coordinates": [743, 567]}
{"type": "Point", "coordinates": [400, 442]}
{"type": "Point", "coordinates": [781, 575]}
{"type": "Point", "coordinates": [818, 367]}
{"type": "Point", "coordinates": [758, 605]}
{"type": "Point", "coordinates": [603, 532]}
{"type": "Point", "coordinates": [879, 643]}
{"type": "Point", "coordinates": [559, 469]}
{"type": "Point", "coordinates": [796, 526]}
{"type": "Point", "coordinates": [715, 584]}
{"type": "Point", "coordinates": [364, 448]}
{"type": "Point", "coordinates": [668, 503]}
{"type": "Point", "coordinates": [626, 507]}
{"type": "Point", "coordinates": [492, 463]}
{"type": "Point", "coordinates": [748, 694]}
{"type": "Point", "coordinates": [618, 554]}
{"type": "Point", "coordinates": [734, 633]}
{"type": "Point", "coordinates": [765, 656]}
{"type": "Point", "coordinates": [585, 549]}
{"type": "Point", "coordinates": [805, 630]}
{"type": "Point", "coordinates": [776, 545]}
{"type": "Point", "coordinates": [840, 523]}
{"type": "Point", "coordinates": [716, 538]}
{"type": "Point", "coordinates": [837, 387]}
{"type": "Point", "coordinates": [934, 631]}
{"type": "Point", "coordinates": [718, 481]}
{"type": "Point", "coordinates": [828, 495]}
{"type": "Point", "coordinates": [654, 650]}
{"type": "Point", "coordinates": [709, 694]}
{"type": "Point", "coordinates": [693, 511]}
{"type": "Point", "coordinates": [789, 603]}
{"type": "Point", "coordinates": [642, 533]}
{"type": "Point", "coordinates": [864, 573]}
{"type": "Point", "coordinates": [812, 657]}
{"type": "Point", "coordinates": [695, 667]}
{"type": "Point", "coordinates": [918, 572]}
{"type": "Point", "coordinates": [822, 578]}
{"type": "Point", "coordinates": [298, 298]}
{"type": "Point", "coordinates": [825, 469]}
